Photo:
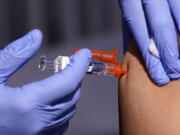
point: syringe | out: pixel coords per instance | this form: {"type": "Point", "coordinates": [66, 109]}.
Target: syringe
{"type": "Point", "coordinates": [103, 56]}
{"type": "Point", "coordinates": [95, 67]}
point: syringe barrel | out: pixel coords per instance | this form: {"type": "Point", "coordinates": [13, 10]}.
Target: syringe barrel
{"type": "Point", "coordinates": [104, 56]}
{"type": "Point", "coordinates": [98, 68]}
{"type": "Point", "coordinates": [109, 69]}
{"type": "Point", "coordinates": [115, 69]}
{"type": "Point", "coordinates": [109, 57]}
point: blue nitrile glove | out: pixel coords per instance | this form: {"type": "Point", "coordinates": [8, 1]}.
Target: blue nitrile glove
{"type": "Point", "coordinates": [147, 19]}
{"type": "Point", "coordinates": [43, 107]}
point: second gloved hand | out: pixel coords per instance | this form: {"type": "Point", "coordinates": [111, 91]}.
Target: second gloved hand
{"type": "Point", "coordinates": [44, 107]}
{"type": "Point", "coordinates": [156, 19]}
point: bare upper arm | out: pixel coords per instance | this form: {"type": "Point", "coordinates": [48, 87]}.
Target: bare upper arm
{"type": "Point", "coordinates": [147, 109]}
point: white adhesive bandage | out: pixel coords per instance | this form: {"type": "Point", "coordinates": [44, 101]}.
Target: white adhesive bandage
{"type": "Point", "coordinates": [153, 49]}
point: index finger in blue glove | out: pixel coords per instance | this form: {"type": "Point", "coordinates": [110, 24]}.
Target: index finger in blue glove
{"type": "Point", "coordinates": [17, 53]}
{"type": "Point", "coordinates": [164, 33]}
{"type": "Point", "coordinates": [61, 84]}
{"type": "Point", "coordinates": [133, 15]}
{"type": "Point", "coordinates": [175, 9]}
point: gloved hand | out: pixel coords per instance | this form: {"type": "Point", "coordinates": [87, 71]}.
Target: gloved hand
{"type": "Point", "coordinates": [147, 19]}
{"type": "Point", "coordinates": [42, 107]}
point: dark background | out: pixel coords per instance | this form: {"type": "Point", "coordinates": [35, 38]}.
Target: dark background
{"type": "Point", "coordinates": [68, 24]}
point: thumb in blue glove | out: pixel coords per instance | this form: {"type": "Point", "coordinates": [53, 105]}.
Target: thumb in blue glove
{"type": "Point", "coordinates": [43, 107]}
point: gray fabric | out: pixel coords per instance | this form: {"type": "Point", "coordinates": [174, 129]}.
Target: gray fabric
{"type": "Point", "coordinates": [60, 20]}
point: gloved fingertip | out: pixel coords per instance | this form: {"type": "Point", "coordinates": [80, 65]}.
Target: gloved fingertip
{"type": "Point", "coordinates": [156, 70]}
{"type": "Point", "coordinates": [36, 36]}
{"type": "Point", "coordinates": [83, 55]}
{"type": "Point", "coordinates": [85, 52]}
{"type": "Point", "coordinates": [162, 82]}
{"type": "Point", "coordinates": [79, 63]}
{"type": "Point", "coordinates": [160, 78]}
